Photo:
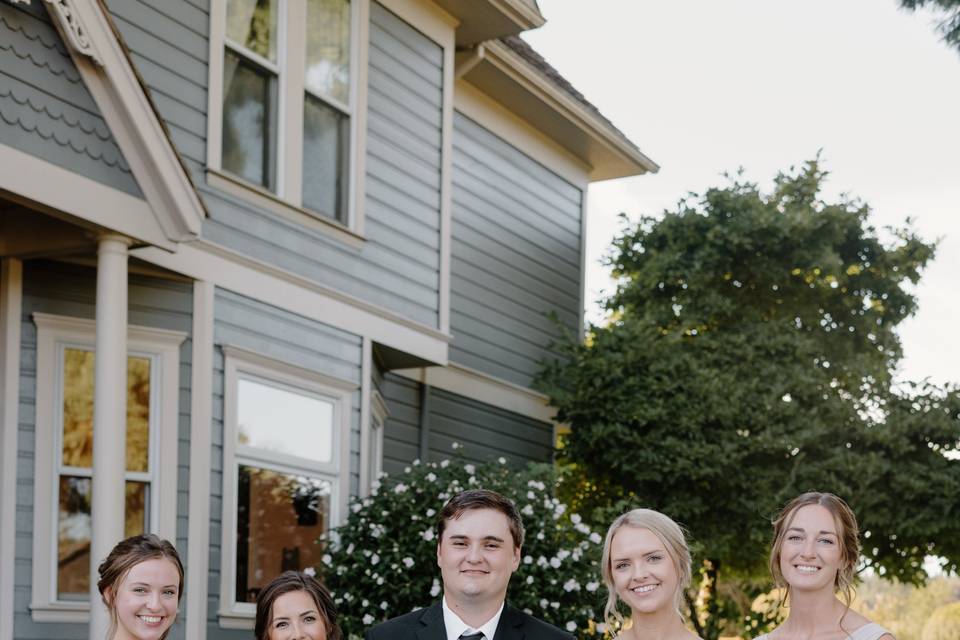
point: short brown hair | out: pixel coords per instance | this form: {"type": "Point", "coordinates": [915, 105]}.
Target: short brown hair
{"type": "Point", "coordinates": [290, 581]}
{"type": "Point", "coordinates": [848, 534]}
{"type": "Point", "coordinates": [481, 499]}
{"type": "Point", "coordinates": [126, 555]}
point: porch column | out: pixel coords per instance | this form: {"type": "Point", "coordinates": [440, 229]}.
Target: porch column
{"type": "Point", "coordinates": [109, 416]}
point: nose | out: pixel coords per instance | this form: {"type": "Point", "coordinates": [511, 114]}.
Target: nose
{"type": "Point", "coordinates": [640, 571]}
{"type": "Point", "coordinates": [809, 549]}
{"type": "Point", "coordinates": [153, 602]}
{"type": "Point", "coordinates": [473, 554]}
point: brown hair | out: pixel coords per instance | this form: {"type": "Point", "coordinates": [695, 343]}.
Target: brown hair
{"type": "Point", "coordinates": [290, 581]}
{"type": "Point", "coordinates": [848, 534]}
{"type": "Point", "coordinates": [126, 555]}
{"type": "Point", "coordinates": [669, 533]}
{"type": "Point", "coordinates": [481, 499]}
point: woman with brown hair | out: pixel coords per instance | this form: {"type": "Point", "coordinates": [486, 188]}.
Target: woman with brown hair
{"type": "Point", "coordinates": [294, 605]}
{"type": "Point", "coordinates": [816, 545]}
{"type": "Point", "coordinates": [141, 582]}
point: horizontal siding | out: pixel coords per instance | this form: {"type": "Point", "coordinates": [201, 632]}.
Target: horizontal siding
{"type": "Point", "coordinates": [45, 108]}
{"type": "Point", "coordinates": [401, 433]}
{"type": "Point", "coordinates": [515, 256]}
{"type": "Point", "coordinates": [248, 324]}
{"type": "Point", "coordinates": [70, 290]}
{"type": "Point", "coordinates": [398, 266]}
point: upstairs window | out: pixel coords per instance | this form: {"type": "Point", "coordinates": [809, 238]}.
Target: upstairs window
{"type": "Point", "coordinates": [289, 116]}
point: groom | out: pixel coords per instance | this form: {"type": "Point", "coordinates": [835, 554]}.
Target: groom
{"type": "Point", "coordinates": [479, 535]}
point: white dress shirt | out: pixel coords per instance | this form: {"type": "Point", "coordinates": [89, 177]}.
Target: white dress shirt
{"type": "Point", "coordinates": [456, 627]}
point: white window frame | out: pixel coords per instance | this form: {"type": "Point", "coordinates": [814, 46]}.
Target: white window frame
{"type": "Point", "coordinates": [241, 363]}
{"type": "Point", "coordinates": [290, 69]}
{"type": "Point", "coordinates": [54, 333]}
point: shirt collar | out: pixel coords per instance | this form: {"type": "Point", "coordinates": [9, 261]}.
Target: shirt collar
{"type": "Point", "coordinates": [455, 626]}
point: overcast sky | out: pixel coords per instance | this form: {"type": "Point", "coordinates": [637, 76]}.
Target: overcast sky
{"type": "Point", "coordinates": [705, 87]}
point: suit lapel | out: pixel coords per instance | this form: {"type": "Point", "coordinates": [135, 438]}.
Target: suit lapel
{"type": "Point", "coordinates": [510, 626]}
{"type": "Point", "coordinates": [431, 624]}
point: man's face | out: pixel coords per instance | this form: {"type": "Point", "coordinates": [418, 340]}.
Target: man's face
{"type": "Point", "coordinates": [477, 556]}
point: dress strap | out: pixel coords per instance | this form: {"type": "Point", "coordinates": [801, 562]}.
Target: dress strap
{"type": "Point", "coordinates": [871, 631]}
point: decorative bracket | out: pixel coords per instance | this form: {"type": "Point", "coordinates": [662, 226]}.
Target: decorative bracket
{"type": "Point", "coordinates": [71, 27]}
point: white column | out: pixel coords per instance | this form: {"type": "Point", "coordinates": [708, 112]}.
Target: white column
{"type": "Point", "coordinates": [109, 415]}
{"type": "Point", "coordinates": [11, 297]}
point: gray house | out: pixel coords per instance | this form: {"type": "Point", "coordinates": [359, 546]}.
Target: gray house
{"type": "Point", "coordinates": [281, 246]}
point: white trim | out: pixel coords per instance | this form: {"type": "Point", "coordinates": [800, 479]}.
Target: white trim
{"type": "Point", "coordinates": [11, 304]}
{"type": "Point", "coordinates": [582, 311]}
{"type": "Point", "coordinates": [491, 115]}
{"type": "Point", "coordinates": [237, 361]}
{"type": "Point", "coordinates": [289, 68]}
{"type": "Point", "coordinates": [27, 178]}
{"type": "Point", "coordinates": [481, 387]}
{"type": "Point", "coordinates": [135, 125]}
{"type": "Point", "coordinates": [53, 330]}
{"type": "Point", "coordinates": [446, 187]}
{"type": "Point", "coordinates": [201, 425]}
{"type": "Point", "coordinates": [285, 290]}
{"type": "Point", "coordinates": [366, 386]}
{"type": "Point", "coordinates": [379, 412]}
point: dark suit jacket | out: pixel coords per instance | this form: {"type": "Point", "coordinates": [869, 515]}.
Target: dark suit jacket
{"type": "Point", "coordinates": [427, 624]}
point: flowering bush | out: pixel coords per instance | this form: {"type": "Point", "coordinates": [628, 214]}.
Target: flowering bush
{"type": "Point", "coordinates": [382, 562]}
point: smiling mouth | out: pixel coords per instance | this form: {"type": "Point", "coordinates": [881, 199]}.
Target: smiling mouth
{"type": "Point", "coordinates": [646, 588]}
{"type": "Point", "coordinates": [474, 572]}
{"type": "Point", "coordinates": [806, 568]}
{"type": "Point", "coordinates": [151, 619]}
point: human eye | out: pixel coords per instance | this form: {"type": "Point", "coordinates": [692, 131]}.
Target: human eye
{"type": "Point", "coordinates": [655, 558]}
{"type": "Point", "coordinates": [794, 537]}
{"type": "Point", "coordinates": [827, 541]}
{"type": "Point", "coordinates": [170, 592]}
{"type": "Point", "coordinates": [309, 618]}
{"type": "Point", "coordinates": [493, 545]}
{"type": "Point", "coordinates": [621, 565]}
{"type": "Point", "coordinates": [139, 590]}
{"type": "Point", "coordinates": [279, 624]}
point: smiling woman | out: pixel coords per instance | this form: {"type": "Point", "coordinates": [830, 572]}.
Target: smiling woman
{"type": "Point", "coordinates": [816, 547]}
{"type": "Point", "coordinates": [295, 606]}
{"type": "Point", "coordinates": [141, 582]}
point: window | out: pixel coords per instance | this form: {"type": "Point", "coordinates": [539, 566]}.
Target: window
{"type": "Point", "coordinates": [64, 445]}
{"type": "Point", "coordinates": [378, 420]}
{"type": "Point", "coordinates": [289, 114]}
{"type": "Point", "coordinates": [285, 464]}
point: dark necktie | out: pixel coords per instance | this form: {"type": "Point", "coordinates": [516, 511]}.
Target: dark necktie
{"type": "Point", "coordinates": [473, 636]}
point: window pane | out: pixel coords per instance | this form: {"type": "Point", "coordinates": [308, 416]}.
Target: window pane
{"type": "Point", "coordinates": [253, 24]}
{"type": "Point", "coordinates": [279, 518]}
{"type": "Point", "coordinates": [73, 539]}
{"type": "Point", "coordinates": [78, 372]}
{"type": "Point", "coordinates": [326, 133]}
{"type": "Point", "coordinates": [249, 94]}
{"type": "Point", "coordinates": [328, 48]}
{"type": "Point", "coordinates": [284, 421]}
{"type": "Point", "coordinates": [73, 531]}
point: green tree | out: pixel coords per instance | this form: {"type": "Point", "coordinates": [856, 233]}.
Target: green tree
{"type": "Point", "coordinates": [748, 357]}
{"type": "Point", "coordinates": [949, 26]}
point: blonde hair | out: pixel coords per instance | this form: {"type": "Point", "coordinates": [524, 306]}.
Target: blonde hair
{"type": "Point", "coordinates": [848, 534]}
{"type": "Point", "coordinates": [669, 533]}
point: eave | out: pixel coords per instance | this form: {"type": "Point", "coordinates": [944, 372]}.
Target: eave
{"type": "Point", "coordinates": [508, 78]}
{"type": "Point", "coordinates": [482, 20]}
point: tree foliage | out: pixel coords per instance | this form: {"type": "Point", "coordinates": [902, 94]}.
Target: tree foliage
{"type": "Point", "coordinates": [949, 26]}
{"type": "Point", "coordinates": [748, 357]}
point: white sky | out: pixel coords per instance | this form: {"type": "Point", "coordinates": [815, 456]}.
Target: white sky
{"type": "Point", "coordinates": [704, 87]}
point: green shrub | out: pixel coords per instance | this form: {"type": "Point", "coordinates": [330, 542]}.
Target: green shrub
{"type": "Point", "coordinates": [381, 562]}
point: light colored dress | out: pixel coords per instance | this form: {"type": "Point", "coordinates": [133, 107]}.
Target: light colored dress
{"type": "Point", "coordinates": [870, 631]}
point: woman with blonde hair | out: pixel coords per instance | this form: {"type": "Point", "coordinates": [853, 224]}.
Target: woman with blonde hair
{"type": "Point", "coordinates": [816, 546]}
{"type": "Point", "coordinates": [646, 564]}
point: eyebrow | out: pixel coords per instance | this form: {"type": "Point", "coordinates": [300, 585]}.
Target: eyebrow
{"type": "Point", "coordinates": [145, 584]}
{"type": "Point", "coordinates": [648, 553]}
{"type": "Point", "coordinates": [486, 538]}
{"type": "Point", "coordinates": [830, 533]}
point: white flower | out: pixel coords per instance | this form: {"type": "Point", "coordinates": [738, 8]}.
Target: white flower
{"type": "Point", "coordinates": [456, 445]}
{"type": "Point", "coordinates": [326, 559]}
{"type": "Point", "coordinates": [435, 589]}
{"type": "Point", "coordinates": [555, 605]}
{"type": "Point", "coordinates": [593, 586]}
{"type": "Point", "coordinates": [400, 488]}
{"type": "Point", "coordinates": [595, 538]}
{"type": "Point", "coordinates": [575, 518]}
{"type": "Point", "coordinates": [367, 619]}
{"type": "Point", "coordinates": [310, 571]}
{"type": "Point", "coordinates": [563, 554]}
{"type": "Point", "coordinates": [431, 477]}
{"type": "Point", "coordinates": [555, 563]}
{"type": "Point", "coordinates": [408, 562]}
{"type": "Point", "coordinates": [427, 535]}
{"type": "Point", "coordinates": [444, 464]}
{"type": "Point", "coordinates": [571, 626]}
{"type": "Point", "coordinates": [416, 462]}
{"type": "Point", "coordinates": [350, 548]}
{"type": "Point", "coordinates": [527, 510]}
{"type": "Point", "coordinates": [472, 480]}
{"type": "Point", "coordinates": [379, 579]}
{"type": "Point", "coordinates": [529, 579]}
{"type": "Point", "coordinates": [531, 495]}
{"type": "Point", "coordinates": [527, 559]}
{"type": "Point", "coordinates": [502, 460]}
{"type": "Point", "coordinates": [356, 506]}
{"type": "Point", "coordinates": [544, 603]}
{"type": "Point", "coordinates": [582, 528]}
{"type": "Point", "coordinates": [383, 605]}
{"type": "Point", "coordinates": [431, 513]}
{"type": "Point", "coordinates": [571, 585]}
{"type": "Point", "coordinates": [470, 469]}
{"type": "Point", "coordinates": [374, 559]}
